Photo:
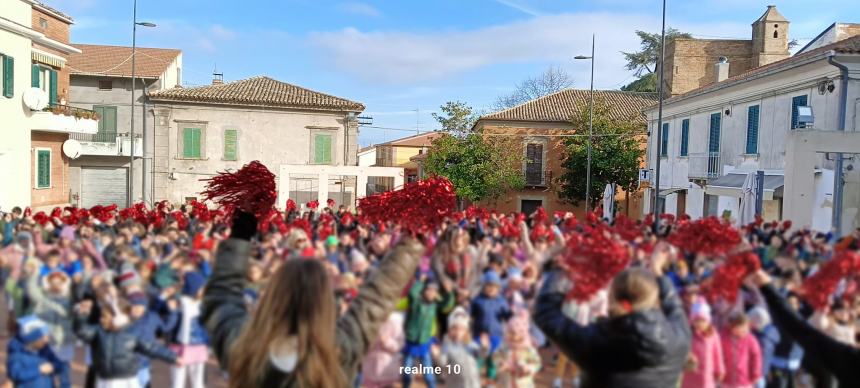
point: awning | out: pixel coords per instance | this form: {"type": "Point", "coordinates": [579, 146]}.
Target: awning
{"type": "Point", "coordinates": [672, 190]}
{"type": "Point", "coordinates": [730, 186]}
{"type": "Point", "coordinates": [48, 58]}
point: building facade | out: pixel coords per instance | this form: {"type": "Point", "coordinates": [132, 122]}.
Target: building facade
{"type": "Point", "coordinates": [200, 131]}
{"type": "Point", "coordinates": [101, 81]}
{"type": "Point", "coordinates": [541, 125]}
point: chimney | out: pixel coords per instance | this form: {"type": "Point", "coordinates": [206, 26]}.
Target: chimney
{"type": "Point", "coordinates": [721, 69]}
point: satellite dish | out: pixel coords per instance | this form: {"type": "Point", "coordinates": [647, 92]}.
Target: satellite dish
{"type": "Point", "coordinates": [36, 99]}
{"type": "Point", "coordinates": [72, 148]}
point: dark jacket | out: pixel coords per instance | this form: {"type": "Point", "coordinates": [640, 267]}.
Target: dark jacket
{"type": "Point", "coordinates": [23, 365]}
{"type": "Point", "coordinates": [224, 310]}
{"type": "Point", "coordinates": [645, 349]}
{"type": "Point", "coordinates": [198, 335]}
{"type": "Point", "coordinates": [489, 315]}
{"type": "Point", "coordinates": [767, 340]}
{"type": "Point", "coordinates": [115, 353]}
{"type": "Point", "coordinates": [147, 329]}
{"type": "Point", "coordinates": [839, 359]}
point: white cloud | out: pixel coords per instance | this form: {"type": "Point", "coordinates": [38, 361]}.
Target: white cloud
{"type": "Point", "coordinates": [521, 6]}
{"type": "Point", "coordinates": [360, 9]}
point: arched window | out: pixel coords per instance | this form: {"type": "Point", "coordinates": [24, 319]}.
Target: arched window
{"type": "Point", "coordinates": [776, 34]}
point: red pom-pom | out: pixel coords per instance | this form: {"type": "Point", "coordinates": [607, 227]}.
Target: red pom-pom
{"type": "Point", "coordinates": [103, 213]}
{"type": "Point", "coordinates": [200, 211]}
{"type": "Point", "coordinates": [786, 225]}
{"type": "Point", "coordinates": [41, 218]}
{"type": "Point", "coordinates": [56, 212]}
{"type": "Point", "coordinates": [729, 276]}
{"type": "Point", "coordinates": [707, 235]}
{"type": "Point", "coordinates": [313, 205]}
{"type": "Point", "coordinates": [418, 207]}
{"type": "Point", "coordinates": [251, 189]}
{"type": "Point", "coordinates": [346, 219]}
{"type": "Point", "coordinates": [291, 206]}
{"type": "Point", "coordinates": [27, 211]}
{"type": "Point", "coordinates": [181, 220]}
{"type": "Point", "coordinates": [330, 203]}
{"type": "Point", "coordinates": [592, 261]}
{"type": "Point", "coordinates": [818, 288]}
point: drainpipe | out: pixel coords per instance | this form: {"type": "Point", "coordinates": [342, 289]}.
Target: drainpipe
{"type": "Point", "coordinates": [837, 176]}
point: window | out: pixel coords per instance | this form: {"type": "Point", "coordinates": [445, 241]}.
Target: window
{"type": "Point", "coordinates": [191, 143]}
{"type": "Point", "coordinates": [45, 78]}
{"type": "Point", "coordinates": [752, 129]}
{"type": "Point", "coordinates": [107, 123]}
{"type": "Point", "coordinates": [776, 34]}
{"type": "Point", "coordinates": [43, 23]}
{"type": "Point", "coordinates": [231, 144]}
{"type": "Point", "coordinates": [534, 164]}
{"type": "Point", "coordinates": [43, 168]}
{"type": "Point", "coordinates": [685, 137]}
{"type": "Point", "coordinates": [664, 140]}
{"type": "Point", "coordinates": [714, 133]}
{"type": "Point", "coordinates": [322, 148]}
{"type": "Point", "coordinates": [795, 102]}
{"type": "Point", "coordinates": [8, 64]}
{"type": "Point", "coordinates": [105, 84]}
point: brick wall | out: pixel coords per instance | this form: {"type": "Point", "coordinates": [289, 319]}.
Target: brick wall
{"type": "Point", "coordinates": [57, 29]}
{"type": "Point", "coordinates": [58, 194]}
{"type": "Point", "coordinates": [690, 62]}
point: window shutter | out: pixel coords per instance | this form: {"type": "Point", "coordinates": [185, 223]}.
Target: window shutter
{"type": "Point", "coordinates": [43, 179]}
{"type": "Point", "coordinates": [534, 164]}
{"type": "Point", "coordinates": [685, 137]}
{"type": "Point", "coordinates": [35, 73]}
{"type": "Point", "coordinates": [664, 141]}
{"type": "Point", "coordinates": [752, 129]}
{"type": "Point", "coordinates": [110, 123]}
{"type": "Point", "coordinates": [714, 133]}
{"type": "Point", "coordinates": [322, 149]}
{"type": "Point", "coordinates": [100, 110]}
{"type": "Point", "coordinates": [230, 144]}
{"type": "Point", "coordinates": [52, 92]}
{"type": "Point", "coordinates": [196, 151]}
{"type": "Point", "coordinates": [187, 142]}
{"type": "Point", "coordinates": [795, 102]}
{"type": "Point", "coordinates": [8, 76]}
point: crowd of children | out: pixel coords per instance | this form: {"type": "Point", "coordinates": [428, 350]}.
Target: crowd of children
{"type": "Point", "coordinates": [485, 306]}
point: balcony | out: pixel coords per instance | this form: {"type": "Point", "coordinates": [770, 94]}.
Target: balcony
{"type": "Point", "coordinates": [537, 178]}
{"type": "Point", "coordinates": [705, 165]}
{"type": "Point", "coordinates": [64, 119]}
{"type": "Point", "coordinates": [108, 144]}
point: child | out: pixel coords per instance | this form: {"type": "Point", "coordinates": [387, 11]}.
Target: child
{"type": "Point", "coordinates": [382, 363]}
{"type": "Point", "coordinates": [424, 302]}
{"type": "Point", "coordinates": [705, 366]}
{"type": "Point", "coordinates": [460, 351]}
{"type": "Point", "coordinates": [31, 362]}
{"type": "Point", "coordinates": [517, 360]}
{"type": "Point", "coordinates": [147, 324]}
{"type": "Point", "coordinates": [489, 312]}
{"type": "Point", "coordinates": [52, 304]}
{"type": "Point", "coordinates": [189, 339]}
{"type": "Point", "coordinates": [741, 354]}
{"type": "Point", "coordinates": [768, 336]}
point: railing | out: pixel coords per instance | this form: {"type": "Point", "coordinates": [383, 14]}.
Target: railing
{"type": "Point", "coordinates": [101, 137]}
{"type": "Point", "coordinates": [67, 110]}
{"type": "Point", "coordinates": [705, 165]}
{"type": "Point", "coordinates": [537, 178]}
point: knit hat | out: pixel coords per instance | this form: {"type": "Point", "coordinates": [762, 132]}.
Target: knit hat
{"type": "Point", "coordinates": [31, 329]}
{"type": "Point", "coordinates": [192, 283]}
{"type": "Point", "coordinates": [700, 310]}
{"type": "Point", "coordinates": [491, 277]}
{"type": "Point", "coordinates": [458, 317]}
{"type": "Point", "coordinates": [128, 277]}
{"type": "Point", "coordinates": [331, 240]}
{"type": "Point", "coordinates": [759, 316]}
{"type": "Point", "coordinates": [358, 261]}
{"type": "Point", "coordinates": [164, 277]}
{"type": "Point", "coordinates": [67, 233]}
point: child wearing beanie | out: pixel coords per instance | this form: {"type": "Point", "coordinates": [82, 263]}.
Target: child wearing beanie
{"type": "Point", "coordinates": [459, 353]}
{"type": "Point", "coordinates": [517, 360]}
{"type": "Point", "coordinates": [704, 366]}
{"type": "Point", "coordinates": [31, 362]}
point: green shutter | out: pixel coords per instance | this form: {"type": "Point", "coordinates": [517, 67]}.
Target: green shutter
{"type": "Point", "coordinates": [231, 139]}
{"type": "Point", "coordinates": [100, 110]}
{"type": "Point", "coordinates": [191, 143]}
{"type": "Point", "coordinates": [752, 129]}
{"type": "Point", "coordinates": [52, 92]}
{"type": "Point", "coordinates": [322, 149]}
{"type": "Point", "coordinates": [197, 143]}
{"type": "Point", "coordinates": [43, 160]}
{"type": "Point", "coordinates": [664, 140]}
{"type": "Point", "coordinates": [8, 76]}
{"type": "Point", "coordinates": [35, 72]}
{"type": "Point", "coordinates": [110, 122]}
{"type": "Point", "coordinates": [685, 137]}
{"type": "Point", "coordinates": [107, 123]}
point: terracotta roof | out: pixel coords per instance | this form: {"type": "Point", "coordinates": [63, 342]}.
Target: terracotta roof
{"type": "Point", "coordinates": [845, 46]}
{"type": "Point", "coordinates": [53, 11]}
{"type": "Point", "coordinates": [259, 91]}
{"type": "Point", "coordinates": [116, 60]}
{"type": "Point", "coordinates": [420, 140]}
{"type": "Point", "coordinates": [564, 105]}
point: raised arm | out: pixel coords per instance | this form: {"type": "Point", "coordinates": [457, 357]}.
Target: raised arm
{"type": "Point", "coordinates": [224, 312]}
{"type": "Point", "coordinates": [155, 350]}
{"type": "Point", "coordinates": [572, 338]}
{"type": "Point", "coordinates": [35, 293]}
{"type": "Point", "coordinates": [358, 328]}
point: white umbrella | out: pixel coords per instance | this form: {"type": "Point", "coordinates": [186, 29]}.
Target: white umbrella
{"type": "Point", "coordinates": [748, 192]}
{"type": "Point", "coordinates": [608, 202]}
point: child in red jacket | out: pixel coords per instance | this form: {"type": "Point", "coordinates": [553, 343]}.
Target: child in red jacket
{"type": "Point", "coordinates": [741, 353]}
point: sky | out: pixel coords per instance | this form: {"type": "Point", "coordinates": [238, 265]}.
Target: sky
{"type": "Point", "coordinates": [405, 58]}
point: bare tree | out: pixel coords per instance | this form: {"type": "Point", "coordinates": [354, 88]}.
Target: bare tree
{"type": "Point", "coordinates": [550, 81]}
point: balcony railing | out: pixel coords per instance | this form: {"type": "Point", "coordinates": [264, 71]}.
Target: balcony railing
{"type": "Point", "coordinates": [72, 111]}
{"type": "Point", "coordinates": [66, 119]}
{"type": "Point", "coordinates": [537, 178]}
{"type": "Point", "coordinates": [705, 165]}
{"type": "Point", "coordinates": [108, 143]}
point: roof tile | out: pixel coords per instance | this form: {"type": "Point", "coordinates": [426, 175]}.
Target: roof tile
{"type": "Point", "coordinates": [116, 61]}
{"type": "Point", "coordinates": [564, 105]}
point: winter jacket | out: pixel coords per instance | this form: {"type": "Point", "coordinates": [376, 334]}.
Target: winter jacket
{"type": "Point", "coordinates": [767, 340]}
{"type": "Point", "coordinates": [382, 363]}
{"type": "Point", "coordinates": [114, 353]}
{"type": "Point", "coordinates": [838, 358]}
{"type": "Point", "coordinates": [742, 357]}
{"type": "Point", "coordinates": [644, 349]}
{"type": "Point", "coordinates": [196, 332]}
{"type": "Point", "coordinates": [22, 367]}
{"type": "Point", "coordinates": [464, 357]}
{"type": "Point", "coordinates": [55, 310]}
{"type": "Point", "coordinates": [148, 327]}
{"type": "Point", "coordinates": [224, 310]}
{"type": "Point", "coordinates": [421, 315]}
{"type": "Point", "coordinates": [489, 315]}
{"type": "Point", "coordinates": [709, 364]}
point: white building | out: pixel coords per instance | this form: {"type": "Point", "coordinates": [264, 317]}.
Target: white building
{"type": "Point", "coordinates": [751, 122]}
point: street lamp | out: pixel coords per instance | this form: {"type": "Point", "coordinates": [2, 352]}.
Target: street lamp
{"type": "Point", "coordinates": [590, 125]}
{"type": "Point", "coordinates": [130, 195]}
{"type": "Point", "coordinates": [659, 129]}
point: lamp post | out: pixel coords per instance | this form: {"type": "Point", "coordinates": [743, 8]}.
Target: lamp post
{"type": "Point", "coordinates": [590, 126]}
{"type": "Point", "coordinates": [130, 194]}
{"type": "Point", "coordinates": [659, 129]}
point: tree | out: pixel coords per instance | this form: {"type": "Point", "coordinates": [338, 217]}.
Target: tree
{"type": "Point", "coordinates": [643, 63]}
{"type": "Point", "coordinates": [458, 118]}
{"type": "Point", "coordinates": [479, 167]}
{"type": "Point", "coordinates": [550, 81]}
{"type": "Point", "coordinates": [615, 154]}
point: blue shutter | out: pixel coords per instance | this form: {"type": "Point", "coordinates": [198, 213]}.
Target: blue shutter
{"type": "Point", "coordinates": [664, 141]}
{"type": "Point", "coordinates": [795, 102]}
{"type": "Point", "coordinates": [752, 129]}
{"type": "Point", "coordinates": [8, 76]}
{"type": "Point", "coordinates": [35, 74]}
{"type": "Point", "coordinates": [685, 137]}
{"type": "Point", "coordinates": [52, 86]}
{"type": "Point", "coordinates": [714, 133]}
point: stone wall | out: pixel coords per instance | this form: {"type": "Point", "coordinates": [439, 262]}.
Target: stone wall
{"type": "Point", "coordinates": [690, 62]}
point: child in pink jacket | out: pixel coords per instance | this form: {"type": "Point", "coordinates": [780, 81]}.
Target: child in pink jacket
{"type": "Point", "coordinates": [741, 353]}
{"type": "Point", "coordinates": [705, 363]}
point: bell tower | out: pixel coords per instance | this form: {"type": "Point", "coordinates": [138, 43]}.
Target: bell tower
{"type": "Point", "coordinates": [769, 37]}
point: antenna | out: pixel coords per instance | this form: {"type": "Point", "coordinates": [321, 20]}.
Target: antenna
{"type": "Point", "coordinates": [217, 78]}
{"type": "Point", "coordinates": [417, 121]}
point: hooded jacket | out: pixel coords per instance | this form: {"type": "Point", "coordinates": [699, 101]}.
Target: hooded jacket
{"type": "Point", "coordinates": [644, 349]}
{"type": "Point", "coordinates": [22, 366]}
{"type": "Point", "coordinates": [114, 353]}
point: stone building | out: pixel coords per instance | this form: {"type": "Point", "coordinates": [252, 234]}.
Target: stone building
{"type": "Point", "coordinates": [692, 63]}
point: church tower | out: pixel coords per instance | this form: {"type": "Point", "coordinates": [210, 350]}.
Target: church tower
{"type": "Point", "coordinates": [769, 38]}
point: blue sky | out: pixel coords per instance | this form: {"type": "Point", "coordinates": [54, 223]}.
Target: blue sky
{"type": "Point", "coordinates": [397, 56]}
